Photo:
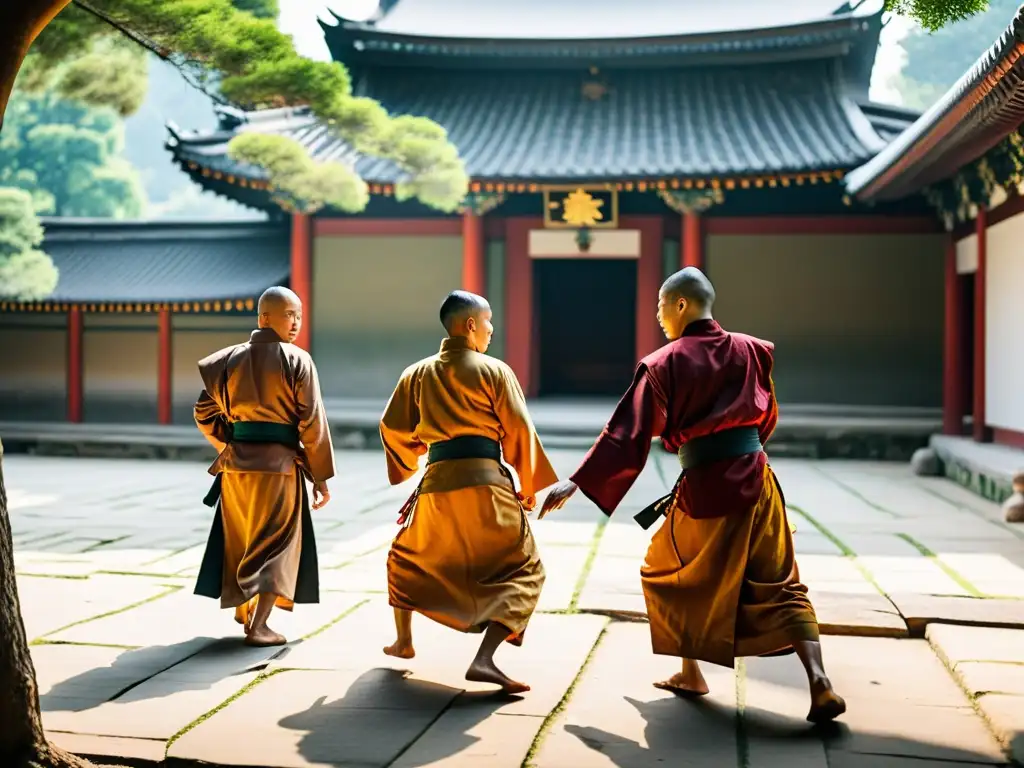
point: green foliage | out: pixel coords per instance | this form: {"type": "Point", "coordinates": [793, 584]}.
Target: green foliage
{"type": "Point", "coordinates": [936, 60]}
{"type": "Point", "coordinates": [65, 156]}
{"type": "Point", "coordinates": [1002, 166]}
{"type": "Point", "coordinates": [254, 65]}
{"type": "Point", "coordinates": [936, 14]}
{"type": "Point", "coordinates": [26, 273]}
{"type": "Point", "coordinates": [299, 183]}
{"type": "Point", "coordinates": [262, 9]}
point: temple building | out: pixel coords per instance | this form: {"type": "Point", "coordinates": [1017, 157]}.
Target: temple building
{"type": "Point", "coordinates": [966, 155]}
{"type": "Point", "coordinates": [708, 134]}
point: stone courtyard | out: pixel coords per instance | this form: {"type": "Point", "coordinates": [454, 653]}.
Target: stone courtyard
{"type": "Point", "coordinates": [919, 586]}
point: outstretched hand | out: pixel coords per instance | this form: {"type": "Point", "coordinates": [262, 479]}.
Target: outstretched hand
{"type": "Point", "coordinates": [320, 495]}
{"type": "Point", "coordinates": [557, 496]}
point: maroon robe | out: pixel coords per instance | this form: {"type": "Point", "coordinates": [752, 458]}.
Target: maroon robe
{"type": "Point", "coordinates": [720, 578]}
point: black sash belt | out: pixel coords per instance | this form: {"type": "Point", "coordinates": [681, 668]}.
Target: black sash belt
{"type": "Point", "coordinates": [465, 447]}
{"type": "Point", "coordinates": [727, 444]}
{"type": "Point", "coordinates": [255, 432]}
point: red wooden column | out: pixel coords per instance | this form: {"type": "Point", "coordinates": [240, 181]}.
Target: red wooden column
{"type": "Point", "coordinates": [981, 432]}
{"type": "Point", "coordinates": [302, 274]}
{"type": "Point", "coordinates": [692, 241]}
{"type": "Point", "coordinates": [519, 321]}
{"type": "Point", "coordinates": [648, 282]}
{"type": "Point", "coordinates": [75, 358]}
{"type": "Point", "coordinates": [474, 269]}
{"type": "Point", "coordinates": [165, 366]}
{"type": "Point", "coordinates": [952, 353]}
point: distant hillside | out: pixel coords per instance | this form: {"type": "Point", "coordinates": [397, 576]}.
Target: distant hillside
{"type": "Point", "coordinates": [172, 195]}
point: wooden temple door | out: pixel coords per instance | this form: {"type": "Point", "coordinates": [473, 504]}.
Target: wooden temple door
{"type": "Point", "coordinates": [585, 315]}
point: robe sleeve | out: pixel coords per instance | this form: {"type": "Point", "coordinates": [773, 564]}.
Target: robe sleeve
{"type": "Point", "coordinates": [314, 430]}
{"type": "Point", "coordinates": [520, 444]}
{"type": "Point", "coordinates": [771, 416]}
{"type": "Point", "coordinates": [211, 421]}
{"type": "Point", "coordinates": [402, 449]}
{"type": "Point", "coordinates": [615, 461]}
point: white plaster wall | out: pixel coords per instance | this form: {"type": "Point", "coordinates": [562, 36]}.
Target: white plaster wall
{"type": "Point", "coordinates": [1004, 323]}
{"type": "Point", "coordinates": [967, 255]}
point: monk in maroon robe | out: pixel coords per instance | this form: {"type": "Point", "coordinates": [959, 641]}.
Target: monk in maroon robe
{"type": "Point", "coordinates": [720, 578]}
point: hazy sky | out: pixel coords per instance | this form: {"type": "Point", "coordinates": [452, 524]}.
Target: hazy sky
{"type": "Point", "coordinates": [298, 19]}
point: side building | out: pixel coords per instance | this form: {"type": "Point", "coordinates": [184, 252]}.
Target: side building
{"type": "Point", "coordinates": [722, 144]}
{"type": "Point", "coordinates": [966, 155]}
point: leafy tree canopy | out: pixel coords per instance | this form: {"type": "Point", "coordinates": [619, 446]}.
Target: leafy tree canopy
{"type": "Point", "coordinates": [67, 157]}
{"type": "Point", "coordinates": [25, 272]}
{"type": "Point", "coordinates": [936, 60]}
{"type": "Point", "coordinates": [936, 14]}
{"type": "Point", "coordinates": [245, 59]}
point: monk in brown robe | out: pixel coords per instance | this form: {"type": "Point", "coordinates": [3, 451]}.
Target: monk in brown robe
{"type": "Point", "coordinates": [465, 556]}
{"type": "Point", "coordinates": [261, 409]}
{"type": "Point", "coordinates": [720, 577]}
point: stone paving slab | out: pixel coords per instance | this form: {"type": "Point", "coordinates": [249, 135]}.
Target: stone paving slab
{"type": "Point", "coordinates": [181, 616]}
{"type": "Point", "coordinates": [617, 718]}
{"type": "Point", "coordinates": [833, 573]}
{"type": "Point", "coordinates": [867, 615]}
{"type": "Point", "coordinates": [920, 611]}
{"type": "Point", "coordinates": [902, 702]}
{"type": "Point", "coordinates": [989, 663]}
{"type": "Point", "coordinates": [613, 585]}
{"type": "Point", "coordinates": [161, 706]}
{"type": "Point", "coordinates": [563, 566]}
{"type": "Point", "coordinates": [49, 604]}
{"type": "Point", "coordinates": [100, 748]}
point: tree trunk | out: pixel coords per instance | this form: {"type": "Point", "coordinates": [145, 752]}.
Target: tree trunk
{"type": "Point", "coordinates": [22, 742]}
{"type": "Point", "coordinates": [21, 21]}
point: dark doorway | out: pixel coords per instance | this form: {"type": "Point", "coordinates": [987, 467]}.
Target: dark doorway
{"type": "Point", "coordinates": [585, 325]}
{"type": "Point", "coordinates": [967, 341]}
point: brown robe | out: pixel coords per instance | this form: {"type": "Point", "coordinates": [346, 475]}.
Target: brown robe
{"type": "Point", "coordinates": [262, 536]}
{"type": "Point", "coordinates": [720, 578]}
{"type": "Point", "coordinates": [466, 556]}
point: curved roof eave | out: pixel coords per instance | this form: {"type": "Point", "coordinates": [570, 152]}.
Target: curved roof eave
{"type": "Point", "coordinates": [945, 137]}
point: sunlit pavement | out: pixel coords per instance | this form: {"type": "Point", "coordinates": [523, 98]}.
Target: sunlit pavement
{"type": "Point", "coordinates": [132, 665]}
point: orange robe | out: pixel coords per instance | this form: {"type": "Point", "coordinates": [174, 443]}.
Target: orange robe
{"type": "Point", "coordinates": [467, 555]}
{"type": "Point", "coordinates": [720, 578]}
{"type": "Point", "coordinates": [262, 537]}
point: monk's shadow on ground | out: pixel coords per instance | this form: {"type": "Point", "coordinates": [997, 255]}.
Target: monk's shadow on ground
{"type": "Point", "coordinates": [384, 715]}
{"type": "Point", "coordinates": [122, 680]}
{"type": "Point", "coordinates": [680, 728]}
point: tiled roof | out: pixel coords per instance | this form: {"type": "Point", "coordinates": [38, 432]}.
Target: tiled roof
{"type": "Point", "coordinates": [982, 108]}
{"type": "Point", "coordinates": [540, 127]}
{"type": "Point", "coordinates": [104, 261]}
{"type": "Point", "coordinates": [595, 19]}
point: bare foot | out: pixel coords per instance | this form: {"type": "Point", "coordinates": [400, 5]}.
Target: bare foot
{"type": "Point", "coordinates": [264, 637]}
{"type": "Point", "coordinates": [826, 704]}
{"type": "Point", "coordinates": [483, 672]}
{"type": "Point", "coordinates": [401, 650]}
{"type": "Point", "coordinates": [685, 684]}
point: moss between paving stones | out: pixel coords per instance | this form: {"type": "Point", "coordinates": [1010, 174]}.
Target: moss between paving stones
{"type": "Point", "coordinates": [854, 492]}
{"type": "Point", "coordinates": [841, 546]}
{"type": "Point", "coordinates": [742, 742]}
{"type": "Point", "coordinates": [588, 564]}
{"type": "Point", "coordinates": [262, 677]}
{"type": "Point", "coordinates": [170, 591]}
{"type": "Point", "coordinates": [947, 569]}
{"type": "Point", "coordinates": [553, 715]}
{"type": "Point", "coordinates": [974, 701]}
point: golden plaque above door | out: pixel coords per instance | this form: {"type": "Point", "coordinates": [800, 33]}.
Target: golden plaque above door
{"type": "Point", "coordinates": [576, 207]}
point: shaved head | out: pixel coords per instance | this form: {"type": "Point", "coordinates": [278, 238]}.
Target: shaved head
{"type": "Point", "coordinates": [280, 310]}
{"type": "Point", "coordinates": [459, 306]}
{"type": "Point", "coordinates": [690, 284]}
{"type": "Point", "coordinates": [685, 297]}
{"type": "Point", "coordinates": [466, 315]}
{"type": "Point", "coordinates": [278, 296]}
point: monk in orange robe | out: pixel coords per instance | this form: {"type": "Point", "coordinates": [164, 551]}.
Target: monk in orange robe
{"type": "Point", "coordinates": [465, 556]}
{"type": "Point", "coordinates": [720, 578]}
{"type": "Point", "coordinates": [261, 409]}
